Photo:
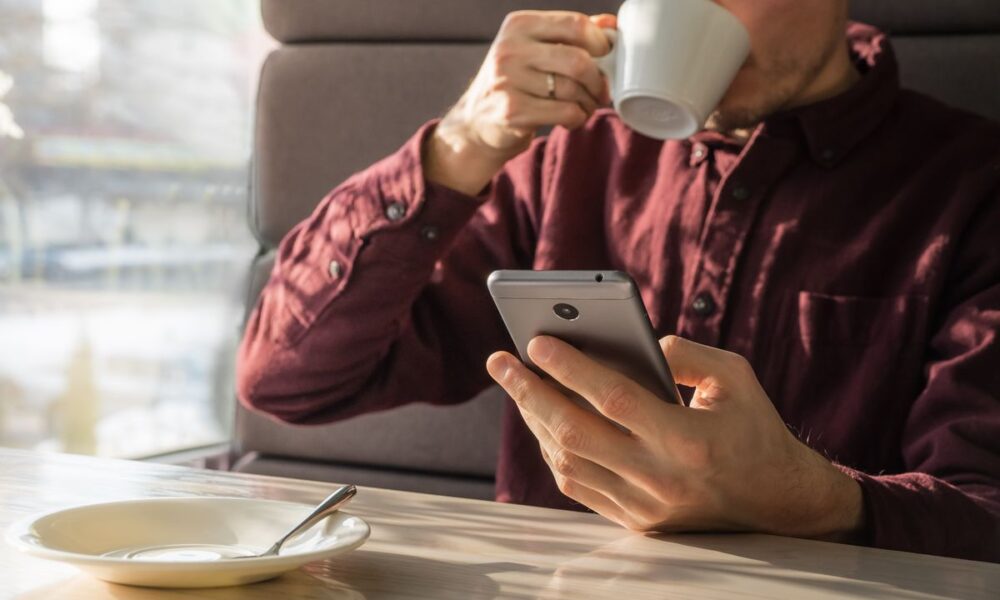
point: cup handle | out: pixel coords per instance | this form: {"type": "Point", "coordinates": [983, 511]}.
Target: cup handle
{"type": "Point", "coordinates": [607, 63]}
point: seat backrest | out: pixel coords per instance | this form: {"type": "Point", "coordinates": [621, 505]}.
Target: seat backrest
{"type": "Point", "coordinates": [352, 79]}
{"type": "Point", "coordinates": [950, 50]}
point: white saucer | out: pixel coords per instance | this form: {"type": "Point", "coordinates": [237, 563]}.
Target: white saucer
{"type": "Point", "coordinates": [184, 542]}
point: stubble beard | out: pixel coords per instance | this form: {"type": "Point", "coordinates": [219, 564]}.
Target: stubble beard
{"type": "Point", "coordinates": [783, 80]}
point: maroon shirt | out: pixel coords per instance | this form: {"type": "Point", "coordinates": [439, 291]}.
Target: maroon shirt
{"type": "Point", "coordinates": [850, 250]}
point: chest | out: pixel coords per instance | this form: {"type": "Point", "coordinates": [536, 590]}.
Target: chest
{"type": "Point", "coordinates": [826, 281]}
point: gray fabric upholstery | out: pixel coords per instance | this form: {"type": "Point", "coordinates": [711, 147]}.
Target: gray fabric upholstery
{"type": "Point", "coordinates": [412, 481]}
{"type": "Point", "coordinates": [962, 70]}
{"type": "Point", "coordinates": [404, 20]}
{"type": "Point", "coordinates": [459, 440]}
{"type": "Point", "coordinates": [371, 72]}
{"type": "Point", "coordinates": [472, 20]}
{"type": "Point", "coordinates": [929, 16]}
{"type": "Point", "coordinates": [260, 270]}
{"type": "Point", "coordinates": [327, 111]}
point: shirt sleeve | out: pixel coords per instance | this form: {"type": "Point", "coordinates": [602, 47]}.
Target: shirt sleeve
{"type": "Point", "coordinates": [949, 502]}
{"type": "Point", "coordinates": [379, 298]}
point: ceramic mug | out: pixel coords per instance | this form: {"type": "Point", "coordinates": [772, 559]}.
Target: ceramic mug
{"type": "Point", "coordinates": [671, 62]}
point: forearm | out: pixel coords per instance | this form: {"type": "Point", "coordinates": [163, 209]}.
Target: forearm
{"type": "Point", "coordinates": [368, 250]}
{"type": "Point", "coordinates": [453, 160]}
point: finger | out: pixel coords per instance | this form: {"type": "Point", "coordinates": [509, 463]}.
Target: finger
{"type": "Point", "coordinates": [570, 426]}
{"type": "Point", "coordinates": [617, 397]}
{"type": "Point", "coordinates": [631, 499]}
{"type": "Point", "coordinates": [521, 110]}
{"type": "Point", "coordinates": [577, 477]}
{"type": "Point", "coordinates": [565, 463]}
{"type": "Point", "coordinates": [601, 504]}
{"type": "Point", "coordinates": [560, 27]}
{"type": "Point", "coordinates": [592, 499]}
{"type": "Point", "coordinates": [695, 365]}
{"type": "Point", "coordinates": [568, 61]}
{"type": "Point", "coordinates": [635, 507]}
{"type": "Point", "coordinates": [566, 90]}
{"type": "Point", "coordinates": [605, 21]}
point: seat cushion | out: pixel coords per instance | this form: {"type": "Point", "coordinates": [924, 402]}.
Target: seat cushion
{"type": "Point", "coordinates": [410, 481]}
{"type": "Point", "coordinates": [456, 440]}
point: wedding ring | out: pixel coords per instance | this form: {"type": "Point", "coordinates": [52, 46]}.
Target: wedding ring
{"type": "Point", "coordinates": [550, 79]}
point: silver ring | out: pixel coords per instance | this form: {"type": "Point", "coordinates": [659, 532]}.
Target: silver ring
{"type": "Point", "coordinates": [550, 79]}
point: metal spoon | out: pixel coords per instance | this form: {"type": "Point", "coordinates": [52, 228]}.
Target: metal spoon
{"type": "Point", "coordinates": [332, 502]}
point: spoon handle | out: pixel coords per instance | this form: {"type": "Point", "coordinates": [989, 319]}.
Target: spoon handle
{"type": "Point", "coordinates": [333, 502]}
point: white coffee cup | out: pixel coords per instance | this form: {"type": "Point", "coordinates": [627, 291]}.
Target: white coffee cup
{"type": "Point", "coordinates": [671, 63]}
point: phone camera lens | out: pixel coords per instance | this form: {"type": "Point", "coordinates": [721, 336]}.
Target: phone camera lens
{"type": "Point", "coordinates": [566, 311]}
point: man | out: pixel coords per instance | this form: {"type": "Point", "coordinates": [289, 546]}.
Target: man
{"type": "Point", "coordinates": [825, 253]}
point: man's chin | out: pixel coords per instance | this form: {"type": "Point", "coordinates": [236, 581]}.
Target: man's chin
{"type": "Point", "coordinates": [750, 99]}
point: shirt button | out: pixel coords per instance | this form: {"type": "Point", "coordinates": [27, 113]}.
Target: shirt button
{"type": "Point", "coordinates": [700, 151]}
{"type": "Point", "coordinates": [395, 211]}
{"type": "Point", "coordinates": [703, 305]}
{"type": "Point", "coordinates": [335, 269]}
{"type": "Point", "coordinates": [430, 233]}
{"type": "Point", "coordinates": [741, 192]}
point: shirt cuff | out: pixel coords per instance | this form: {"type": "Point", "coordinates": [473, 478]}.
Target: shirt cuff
{"type": "Point", "coordinates": [899, 511]}
{"type": "Point", "coordinates": [402, 193]}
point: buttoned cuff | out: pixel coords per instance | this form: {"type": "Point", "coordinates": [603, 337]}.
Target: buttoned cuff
{"type": "Point", "coordinates": [403, 193]}
{"type": "Point", "coordinates": [894, 511]}
{"type": "Point", "coordinates": [412, 219]}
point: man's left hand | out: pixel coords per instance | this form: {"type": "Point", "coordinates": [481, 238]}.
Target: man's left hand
{"type": "Point", "coordinates": [725, 462]}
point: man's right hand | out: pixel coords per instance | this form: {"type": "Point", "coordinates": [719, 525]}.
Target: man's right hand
{"type": "Point", "coordinates": [509, 101]}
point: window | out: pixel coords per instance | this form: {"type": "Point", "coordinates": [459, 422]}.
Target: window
{"type": "Point", "coordinates": [124, 146]}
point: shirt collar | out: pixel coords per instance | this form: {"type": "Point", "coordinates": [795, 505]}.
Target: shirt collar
{"type": "Point", "coordinates": [705, 142]}
{"type": "Point", "coordinates": [833, 127]}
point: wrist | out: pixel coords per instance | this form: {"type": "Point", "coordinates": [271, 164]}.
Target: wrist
{"type": "Point", "coordinates": [836, 504]}
{"type": "Point", "coordinates": [817, 501]}
{"type": "Point", "coordinates": [844, 510]}
{"type": "Point", "coordinates": [452, 158]}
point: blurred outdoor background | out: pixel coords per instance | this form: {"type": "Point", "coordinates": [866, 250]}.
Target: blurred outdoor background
{"type": "Point", "coordinates": [124, 144]}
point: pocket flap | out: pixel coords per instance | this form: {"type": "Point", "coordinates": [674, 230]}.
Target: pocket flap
{"type": "Point", "coordinates": [859, 319]}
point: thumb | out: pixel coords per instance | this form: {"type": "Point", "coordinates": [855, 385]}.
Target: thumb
{"type": "Point", "coordinates": [692, 364]}
{"type": "Point", "coordinates": [601, 45]}
{"type": "Point", "coordinates": [605, 21]}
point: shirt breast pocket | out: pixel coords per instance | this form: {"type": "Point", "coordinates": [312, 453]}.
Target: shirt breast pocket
{"type": "Point", "coordinates": [858, 320]}
{"type": "Point", "coordinates": [843, 370]}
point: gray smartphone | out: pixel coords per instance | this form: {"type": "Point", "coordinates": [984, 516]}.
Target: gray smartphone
{"type": "Point", "coordinates": [599, 313]}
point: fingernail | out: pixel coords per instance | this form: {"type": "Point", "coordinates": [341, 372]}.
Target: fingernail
{"type": "Point", "coordinates": [499, 368]}
{"type": "Point", "coordinates": [540, 349]}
